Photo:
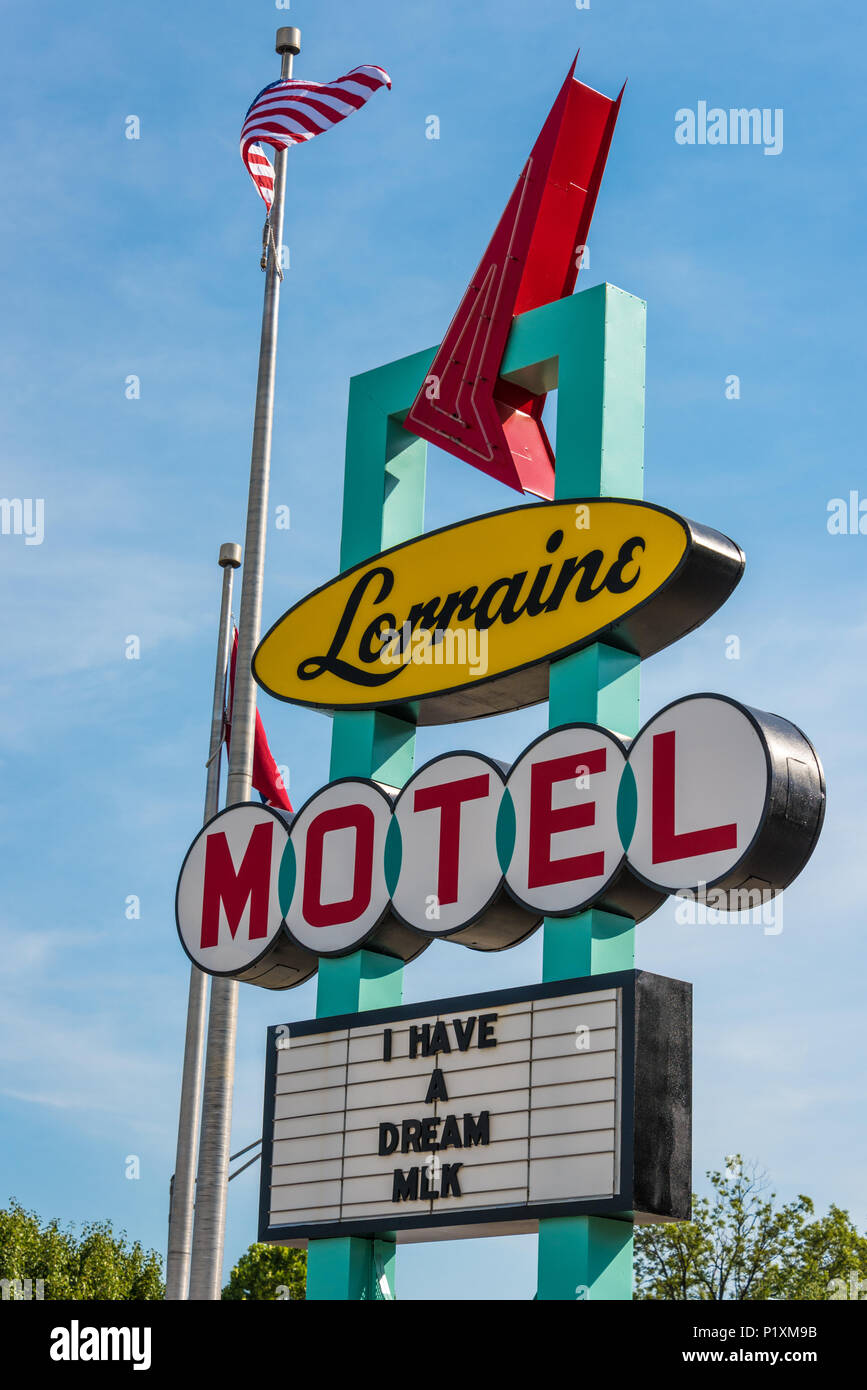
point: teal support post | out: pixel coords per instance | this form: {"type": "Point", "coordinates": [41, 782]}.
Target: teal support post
{"type": "Point", "coordinates": [599, 453]}
{"type": "Point", "coordinates": [350, 1268]}
{"type": "Point", "coordinates": [584, 1257]}
{"type": "Point", "coordinates": [383, 504]}
{"type": "Point", "coordinates": [363, 980]}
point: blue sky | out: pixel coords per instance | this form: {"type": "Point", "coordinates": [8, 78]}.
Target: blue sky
{"type": "Point", "coordinates": [140, 257]}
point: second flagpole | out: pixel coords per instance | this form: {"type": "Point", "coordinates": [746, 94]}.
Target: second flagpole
{"type": "Point", "coordinates": [213, 1172]}
{"type": "Point", "coordinates": [183, 1186]}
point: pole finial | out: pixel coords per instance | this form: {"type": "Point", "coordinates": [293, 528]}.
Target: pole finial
{"type": "Point", "coordinates": [288, 40]}
{"type": "Point", "coordinates": [230, 555]}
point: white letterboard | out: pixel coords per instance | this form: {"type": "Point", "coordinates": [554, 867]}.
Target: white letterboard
{"type": "Point", "coordinates": [506, 1117]}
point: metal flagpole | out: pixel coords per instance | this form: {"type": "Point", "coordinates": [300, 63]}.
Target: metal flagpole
{"type": "Point", "coordinates": [183, 1185]}
{"type": "Point", "coordinates": [210, 1217]}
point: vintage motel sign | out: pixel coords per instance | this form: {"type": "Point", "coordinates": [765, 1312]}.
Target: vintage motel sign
{"type": "Point", "coordinates": [492, 1113]}
{"type": "Point", "coordinates": [711, 795]}
{"type": "Point", "coordinates": [467, 619]}
{"type": "Point", "coordinates": [479, 1115]}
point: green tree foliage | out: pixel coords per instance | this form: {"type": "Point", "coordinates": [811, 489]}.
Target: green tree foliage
{"type": "Point", "coordinates": [95, 1264]}
{"type": "Point", "coordinates": [268, 1272]}
{"type": "Point", "coordinates": [740, 1245]}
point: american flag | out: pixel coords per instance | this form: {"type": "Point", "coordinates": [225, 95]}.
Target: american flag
{"type": "Point", "coordinates": [291, 110]}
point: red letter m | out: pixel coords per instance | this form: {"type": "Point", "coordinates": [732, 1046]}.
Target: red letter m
{"type": "Point", "coordinates": [222, 885]}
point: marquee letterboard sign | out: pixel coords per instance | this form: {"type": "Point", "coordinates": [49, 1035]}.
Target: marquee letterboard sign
{"type": "Point", "coordinates": [470, 1116]}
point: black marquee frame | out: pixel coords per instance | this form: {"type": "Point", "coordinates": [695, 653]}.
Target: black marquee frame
{"type": "Point", "coordinates": [655, 1179]}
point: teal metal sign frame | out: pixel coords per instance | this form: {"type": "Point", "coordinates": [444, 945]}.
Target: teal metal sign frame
{"type": "Point", "coordinates": [591, 348]}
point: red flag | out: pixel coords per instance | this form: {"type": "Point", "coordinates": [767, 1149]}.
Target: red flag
{"type": "Point", "coordinates": [266, 778]}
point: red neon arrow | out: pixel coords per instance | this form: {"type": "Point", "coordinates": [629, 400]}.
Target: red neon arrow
{"type": "Point", "coordinates": [533, 258]}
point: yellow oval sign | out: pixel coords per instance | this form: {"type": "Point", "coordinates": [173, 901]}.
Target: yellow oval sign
{"type": "Point", "coordinates": [466, 619]}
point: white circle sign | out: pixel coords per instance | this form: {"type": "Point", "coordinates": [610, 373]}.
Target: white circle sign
{"type": "Point", "coordinates": [447, 819]}
{"type": "Point", "coordinates": [564, 790]}
{"type": "Point", "coordinates": [702, 776]}
{"type": "Point", "coordinates": [338, 842]}
{"type": "Point", "coordinates": [227, 903]}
